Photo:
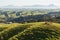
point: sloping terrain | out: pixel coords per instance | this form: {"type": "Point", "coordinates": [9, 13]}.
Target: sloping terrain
{"type": "Point", "coordinates": [31, 31]}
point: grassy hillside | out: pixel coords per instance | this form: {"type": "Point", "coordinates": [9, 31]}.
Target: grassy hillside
{"type": "Point", "coordinates": [30, 31]}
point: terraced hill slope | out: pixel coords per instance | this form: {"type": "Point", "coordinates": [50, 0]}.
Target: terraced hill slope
{"type": "Point", "coordinates": [30, 31]}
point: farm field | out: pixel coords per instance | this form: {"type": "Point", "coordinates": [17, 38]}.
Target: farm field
{"type": "Point", "coordinates": [30, 31]}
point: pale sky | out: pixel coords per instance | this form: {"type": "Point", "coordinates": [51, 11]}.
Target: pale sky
{"type": "Point", "coordinates": [28, 2]}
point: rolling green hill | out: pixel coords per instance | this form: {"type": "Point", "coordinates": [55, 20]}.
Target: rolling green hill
{"type": "Point", "coordinates": [30, 31]}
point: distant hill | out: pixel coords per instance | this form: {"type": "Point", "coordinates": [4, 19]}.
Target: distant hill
{"type": "Point", "coordinates": [51, 6]}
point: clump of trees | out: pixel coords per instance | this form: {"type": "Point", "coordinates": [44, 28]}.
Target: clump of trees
{"type": "Point", "coordinates": [29, 15]}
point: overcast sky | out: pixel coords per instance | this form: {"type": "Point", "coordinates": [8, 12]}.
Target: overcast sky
{"type": "Point", "coordinates": [29, 2]}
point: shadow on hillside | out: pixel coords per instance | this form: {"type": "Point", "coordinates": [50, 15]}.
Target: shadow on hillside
{"type": "Point", "coordinates": [40, 34]}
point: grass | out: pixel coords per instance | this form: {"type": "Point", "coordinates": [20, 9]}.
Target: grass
{"type": "Point", "coordinates": [31, 31]}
